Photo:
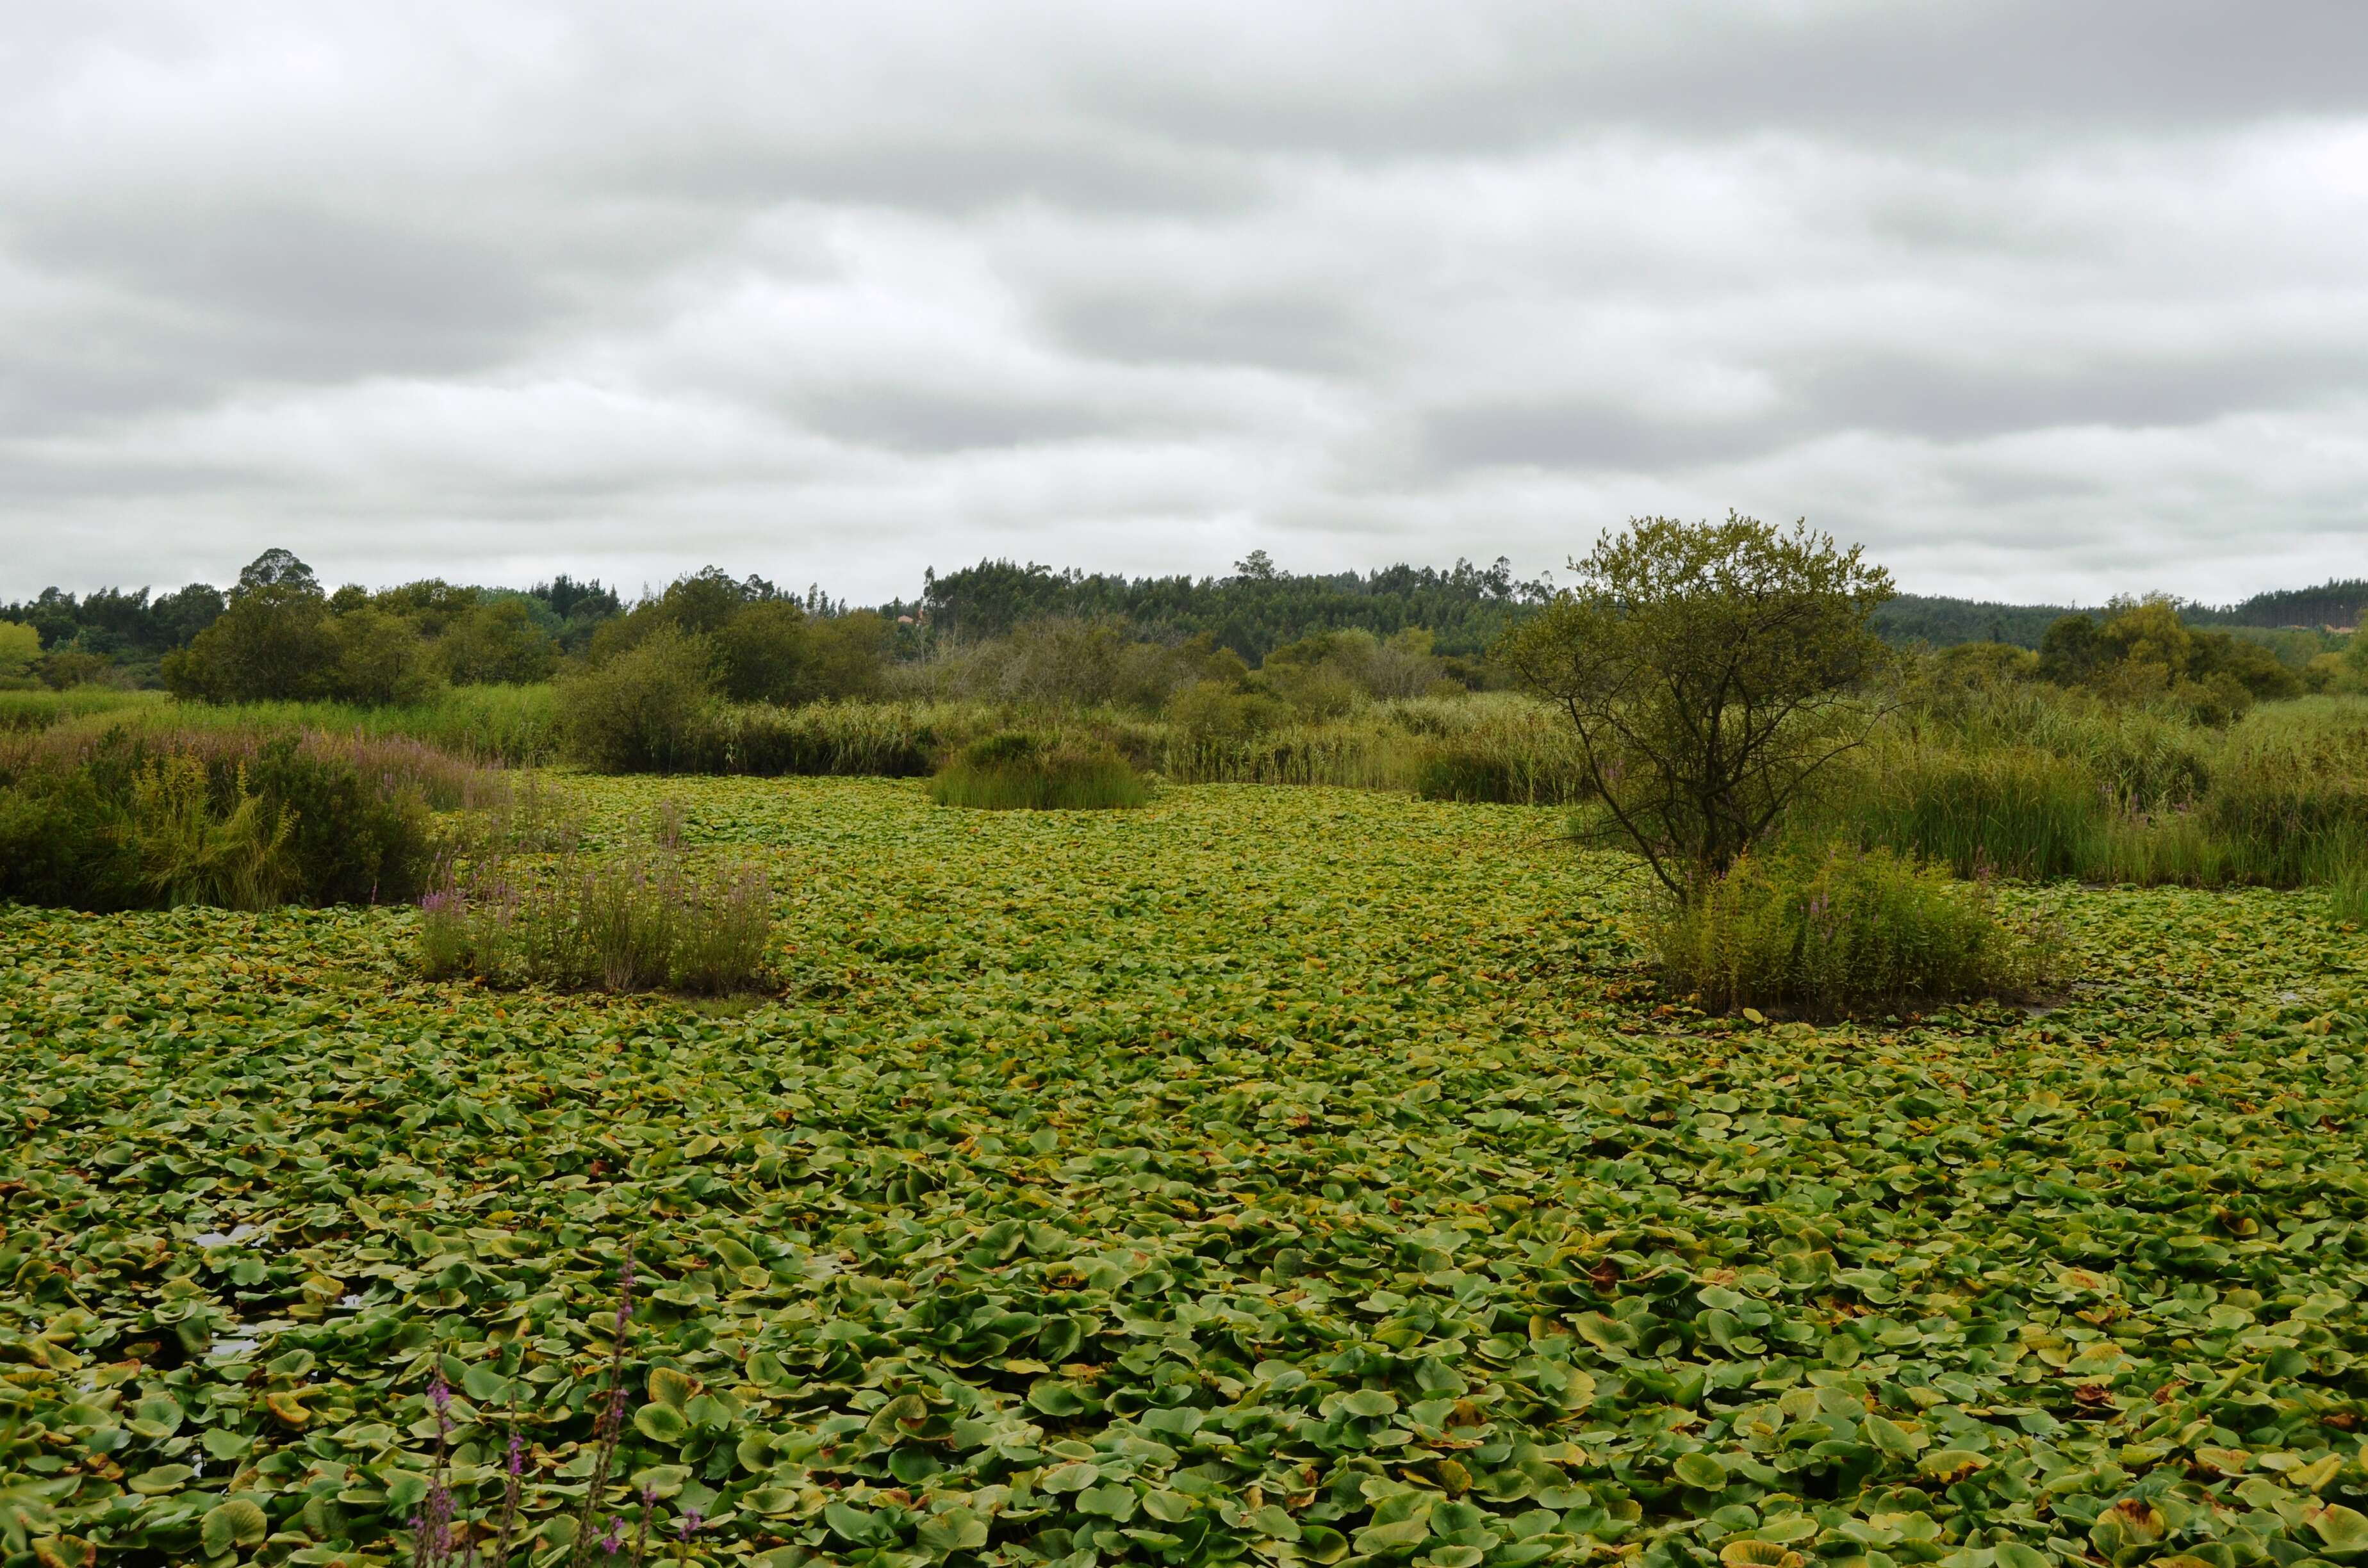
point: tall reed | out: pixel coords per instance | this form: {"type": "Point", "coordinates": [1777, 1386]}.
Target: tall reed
{"type": "Point", "coordinates": [1841, 932]}
{"type": "Point", "coordinates": [1018, 771]}
{"type": "Point", "coordinates": [647, 921]}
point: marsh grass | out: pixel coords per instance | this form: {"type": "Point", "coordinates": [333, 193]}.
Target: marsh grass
{"type": "Point", "coordinates": [2038, 786]}
{"type": "Point", "coordinates": [1019, 770]}
{"type": "Point", "coordinates": [640, 922]}
{"type": "Point", "coordinates": [2015, 810]}
{"type": "Point", "coordinates": [1844, 932]}
{"type": "Point", "coordinates": [24, 711]}
{"type": "Point", "coordinates": [509, 725]}
{"type": "Point", "coordinates": [2347, 894]}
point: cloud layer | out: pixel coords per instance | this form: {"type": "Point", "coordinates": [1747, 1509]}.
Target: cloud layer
{"type": "Point", "coordinates": [2038, 301]}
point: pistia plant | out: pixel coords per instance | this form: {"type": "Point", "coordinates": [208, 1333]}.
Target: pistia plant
{"type": "Point", "coordinates": [1285, 1184]}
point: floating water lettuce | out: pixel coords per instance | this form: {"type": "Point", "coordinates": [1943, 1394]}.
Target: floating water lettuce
{"type": "Point", "coordinates": [1287, 1175]}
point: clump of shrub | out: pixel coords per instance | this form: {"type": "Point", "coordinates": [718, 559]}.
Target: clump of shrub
{"type": "Point", "coordinates": [651, 922]}
{"type": "Point", "coordinates": [641, 711]}
{"type": "Point", "coordinates": [1841, 932]}
{"type": "Point", "coordinates": [1017, 769]}
{"type": "Point", "coordinates": [137, 819]}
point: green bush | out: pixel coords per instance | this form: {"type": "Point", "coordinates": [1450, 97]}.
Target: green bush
{"type": "Point", "coordinates": [147, 819]}
{"type": "Point", "coordinates": [1841, 932]}
{"type": "Point", "coordinates": [350, 839]}
{"type": "Point", "coordinates": [64, 844]}
{"type": "Point", "coordinates": [643, 709]}
{"type": "Point", "coordinates": [1016, 769]}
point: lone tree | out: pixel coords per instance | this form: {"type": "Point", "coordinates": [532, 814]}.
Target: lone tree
{"type": "Point", "coordinates": [1710, 669]}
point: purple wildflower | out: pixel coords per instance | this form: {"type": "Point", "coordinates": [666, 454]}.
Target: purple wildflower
{"type": "Point", "coordinates": [616, 1536]}
{"type": "Point", "coordinates": [692, 1519]}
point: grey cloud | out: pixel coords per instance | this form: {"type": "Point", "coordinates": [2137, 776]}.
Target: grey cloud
{"type": "Point", "coordinates": [958, 169]}
{"type": "Point", "coordinates": [1986, 281]}
{"type": "Point", "coordinates": [1913, 73]}
{"type": "Point", "coordinates": [1590, 434]}
{"type": "Point", "coordinates": [299, 293]}
{"type": "Point", "coordinates": [1952, 402]}
{"type": "Point", "coordinates": [1283, 332]}
{"type": "Point", "coordinates": [921, 421]}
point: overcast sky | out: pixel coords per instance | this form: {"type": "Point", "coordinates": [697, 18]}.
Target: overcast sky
{"type": "Point", "coordinates": [2040, 300]}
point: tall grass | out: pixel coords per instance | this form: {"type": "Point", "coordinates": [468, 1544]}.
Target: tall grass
{"type": "Point", "coordinates": [859, 739]}
{"type": "Point", "coordinates": [2017, 810]}
{"type": "Point", "coordinates": [2033, 785]}
{"type": "Point", "coordinates": [1019, 770]}
{"type": "Point", "coordinates": [1481, 747]}
{"type": "Point", "coordinates": [651, 922]}
{"type": "Point", "coordinates": [512, 724]}
{"type": "Point", "coordinates": [1841, 932]}
{"type": "Point", "coordinates": [2347, 894]}
{"type": "Point", "coordinates": [22, 711]}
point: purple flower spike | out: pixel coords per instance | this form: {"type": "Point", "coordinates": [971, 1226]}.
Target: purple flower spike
{"type": "Point", "coordinates": [616, 1536]}
{"type": "Point", "coordinates": [692, 1519]}
{"type": "Point", "coordinates": [518, 1455]}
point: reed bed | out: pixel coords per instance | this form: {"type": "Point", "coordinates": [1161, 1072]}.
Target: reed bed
{"type": "Point", "coordinates": [2038, 787]}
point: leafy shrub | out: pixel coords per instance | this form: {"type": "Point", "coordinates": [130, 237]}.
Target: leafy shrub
{"type": "Point", "coordinates": [1067, 663]}
{"type": "Point", "coordinates": [495, 643]}
{"type": "Point", "coordinates": [765, 646]}
{"type": "Point", "coordinates": [20, 652]}
{"type": "Point", "coordinates": [350, 839]}
{"type": "Point", "coordinates": [140, 819]}
{"type": "Point", "coordinates": [195, 848]}
{"type": "Point", "coordinates": [1016, 769]}
{"type": "Point", "coordinates": [1838, 933]}
{"type": "Point", "coordinates": [378, 659]}
{"type": "Point", "coordinates": [272, 642]}
{"type": "Point", "coordinates": [642, 710]}
{"type": "Point", "coordinates": [637, 923]}
{"type": "Point", "coordinates": [66, 845]}
{"type": "Point", "coordinates": [1218, 711]}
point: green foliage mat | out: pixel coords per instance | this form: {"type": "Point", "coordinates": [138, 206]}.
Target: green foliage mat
{"type": "Point", "coordinates": [1288, 1175]}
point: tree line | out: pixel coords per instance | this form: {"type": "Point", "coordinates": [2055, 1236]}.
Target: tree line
{"type": "Point", "coordinates": [278, 632]}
